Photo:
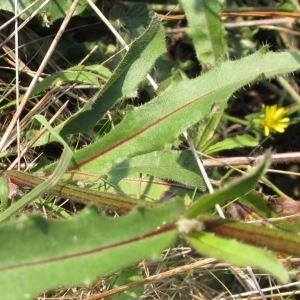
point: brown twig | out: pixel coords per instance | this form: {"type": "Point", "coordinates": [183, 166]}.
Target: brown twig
{"type": "Point", "coordinates": [277, 158]}
{"type": "Point", "coordinates": [244, 13]}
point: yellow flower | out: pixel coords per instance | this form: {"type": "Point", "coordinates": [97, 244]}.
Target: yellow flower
{"type": "Point", "coordinates": [274, 119]}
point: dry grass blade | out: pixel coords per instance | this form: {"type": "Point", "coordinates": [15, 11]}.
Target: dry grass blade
{"type": "Point", "coordinates": [205, 263]}
{"type": "Point", "coordinates": [19, 27]}
{"type": "Point", "coordinates": [48, 55]}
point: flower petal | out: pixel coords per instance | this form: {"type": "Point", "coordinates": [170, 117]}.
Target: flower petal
{"type": "Point", "coordinates": [274, 119]}
{"type": "Point", "coordinates": [267, 130]}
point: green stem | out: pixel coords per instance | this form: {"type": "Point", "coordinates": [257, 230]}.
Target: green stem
{"type": "Point", "coordinates": [285, 84]}
{"type": "Point", "coordinates": [41, 187]}
{"type": "Point", "coordinates": [236, 120]}
{"type": "Point", "coordinates": [274, 187]}
{"type": "Point", "coordinates": [110, 201]}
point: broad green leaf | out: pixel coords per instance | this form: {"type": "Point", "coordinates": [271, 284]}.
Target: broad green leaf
{"type": "Point", "coordinates": [232, 143]}
{"type": "Point", "coordinates": [122, 84]}
{"type": "Point", "coordinates": [38, 254]}
{"type": "Point", "coordinates": [235, 188]}
{"type": "Point", "coordinates": [156, 124]}
{"type": "Point", "coordinates": [205, 29]}
{"type": "Point", "coordinates": [153, 190]}
{"type": "Point", "coordinates": [174, 165]}
{"type": "Point", "coordinates": [239, 254]}
{"type": "Point", "coordinates": [131, 21]}
{"type": "Point", "coordinates": [78, 74]}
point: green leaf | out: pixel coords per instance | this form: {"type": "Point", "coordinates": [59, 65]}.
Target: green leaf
{"type": "Point", "coordinates": [232, 143]}
{"type": "Point", "coordinates": [175, 165]}
{"type": "Point", "coordinates": [4, 192]}
{"type": "Point", "coordinates": [40, 254]}
{"type": "Point", "coordinates": [148, 189]}
{"type": "Point", "coordinates": [112, 201]}
{"type": "Point", "coordinates": [126, 277]}
{"type": "Point", "coordinates": [49, 182]}
{"type": "Point", "coordinates": [125, 80]}
{"type": "Point", "coordinates": [205, 29]}
{"type": "Point", "coordinates": [156, 124]}
{"type": "Point", "coordinates": [254, 234]}
{"type": "Point", "coordinates": [79, 74]}
{"type": "Point", "coordinates": [256, 206]}
{"type": "Point", "coordinates": [234, 189]}
{"type": "Point", "coordinates": [132, 21]}
{"type": "Point", "coordinates": [239, 254]}
{"type": "Point", "coordinates": [207, 130]}
{"type": "Point", "coordinates": [122, 84]}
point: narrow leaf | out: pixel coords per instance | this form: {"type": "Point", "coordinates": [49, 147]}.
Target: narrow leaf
{"type": "Point", "coordinates": [205, 29]}
{"type": "Point", "coordinates": [236, 188]}
{"type": "Point", "coordinates": [47, 184]}
{"type": "Point", "coordinates": [124, 81]}
{"type": "Point", "coordinates": [239, 254]}
{"type": "Point", "coordinates": [273, 239]}
{"type": "Point", "coordinates": [112, 201]}
{"type": "Point", "coordinates": [207, 130]}
{"type": "Point", "coordinates": [78, 74]}
{"type": "Point", "coordinates": [4, 192]}
{"type": "Point", "coordinates": [43, 254]}
{"type": "Point", "coordinates": [232, 143]}
{"type": "Point", "coordinates": [122, 84]}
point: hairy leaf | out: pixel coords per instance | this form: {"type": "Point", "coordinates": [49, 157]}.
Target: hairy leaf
{"type": "Point", "coordinates": [237, 253]}
{"type": "Point", "coordinates": [274, 239]}
{"type": "Point", "coordinates": [125, 80]}
{"type": "Point", "coordinates": [174, 165]}
{"type": "Point", "coordinates": [156, 124]}
{"type": "Point", "coordinates": [206, 31]}
{"type": "Point", "coordinates": [38, 254]}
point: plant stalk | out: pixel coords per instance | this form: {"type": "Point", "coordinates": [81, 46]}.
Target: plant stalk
{"type": "Point", "coordinates": [118, 203]}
